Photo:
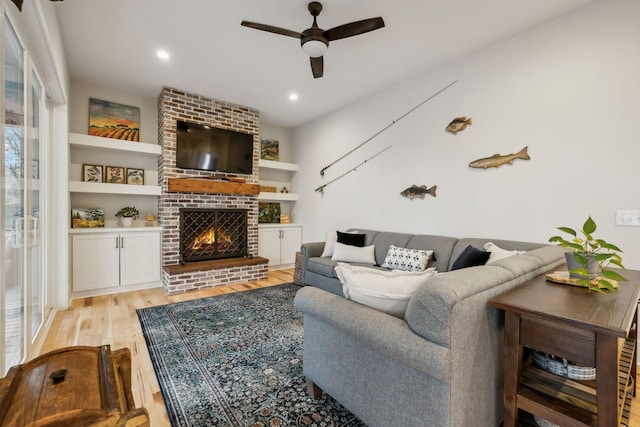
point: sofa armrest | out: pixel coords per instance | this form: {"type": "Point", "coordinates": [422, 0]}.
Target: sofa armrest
{"type": "Point", "coordinates": [379, 331]}
{"type": "Point", "coordinates": [310, 250]}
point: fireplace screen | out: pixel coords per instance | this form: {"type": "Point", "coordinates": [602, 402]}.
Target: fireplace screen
{"type": "Point", "coordinates": [212, 234]}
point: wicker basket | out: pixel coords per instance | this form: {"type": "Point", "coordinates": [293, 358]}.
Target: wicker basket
{"type": "Point", "coordinates": [297, 274]}
{"type": "Point", "coordinates": [563, 367]}
{"type": "Point", "coordinates": [544, 423]}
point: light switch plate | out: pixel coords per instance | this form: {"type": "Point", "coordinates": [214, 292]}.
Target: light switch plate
{"type": "Point", "coordinates": [628, 217]}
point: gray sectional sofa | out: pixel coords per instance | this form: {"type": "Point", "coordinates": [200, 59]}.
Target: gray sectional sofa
{"type": "Point", "coordinates": [439, 366]}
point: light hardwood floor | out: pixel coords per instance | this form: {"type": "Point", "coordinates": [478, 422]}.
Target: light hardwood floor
{"type": "Point", "coordinates": [112, 319]}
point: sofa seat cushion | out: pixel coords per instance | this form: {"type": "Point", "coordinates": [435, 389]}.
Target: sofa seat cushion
{"type": "Point", "coordinates": [326, 266]}
{"type": "Point", "coordinates": [322, 265]}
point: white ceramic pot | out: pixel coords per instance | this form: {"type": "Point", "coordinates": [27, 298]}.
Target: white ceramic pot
{"type": "Point", "coordinates": [126, 221]}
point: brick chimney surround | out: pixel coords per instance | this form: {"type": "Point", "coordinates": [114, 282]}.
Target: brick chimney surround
{"type": "Point", "coordinates": [176, 105]}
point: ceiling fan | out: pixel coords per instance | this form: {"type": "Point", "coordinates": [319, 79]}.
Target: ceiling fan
{"type": "Point", "coordinates": [18, 3]}
{"type": "Point", "coordinates": [314, 40]}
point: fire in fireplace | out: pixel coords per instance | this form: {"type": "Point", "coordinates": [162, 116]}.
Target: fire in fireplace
{"type": "Point", "coordinates": [207, 234]}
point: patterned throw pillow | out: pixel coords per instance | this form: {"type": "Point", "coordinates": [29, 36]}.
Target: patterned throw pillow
{"type": "Point", "coordinates": [407, 259]}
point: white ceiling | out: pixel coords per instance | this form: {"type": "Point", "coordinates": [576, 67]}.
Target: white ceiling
{"type": "Point", "coordinates": [113, 43]}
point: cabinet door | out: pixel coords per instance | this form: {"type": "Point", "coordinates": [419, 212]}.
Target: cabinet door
{"type": "Point", "coordinates": [139, 258]}
{"type": "Point", "coordinates": [269, 245]}
{"type": "Point", "coordinates": [291, 239]}
{"type": "Point", "coordinates": [95, 261]}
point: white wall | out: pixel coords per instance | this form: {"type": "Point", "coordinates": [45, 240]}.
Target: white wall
{"type": "Point", "coordinates": [568, 89]}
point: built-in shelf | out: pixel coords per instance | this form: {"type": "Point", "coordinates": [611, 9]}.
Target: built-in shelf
{"type": "Point", "coordinates": [278, 197]}
{"type": "Point", "coordinates": [106, 188]}
{"type": "Point", "coordinates": [113, 230]}
{"type": "Point", "coordinates": [283, 166]}
{"type": "Point", "coordinates": [90, 141]}
{"type": "Point", "coordinates": [278, 166]}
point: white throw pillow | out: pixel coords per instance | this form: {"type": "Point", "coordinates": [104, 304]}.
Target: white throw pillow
{"type": "Point", "coordinates": [498, 253]}
{"type": "Point", "coordinates": [329, 243]}
{"type": "Point", "coordinates": [407, 259]}
{"type": "Point", "coordinates": [348, 253]}
{"type": "Point", "coordinates": [386, 291]}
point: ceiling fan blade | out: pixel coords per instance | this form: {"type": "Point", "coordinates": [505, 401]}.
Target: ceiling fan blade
{"type": "Point", "coordinates": [317, 66]}
{"type": "Point", "coordinates": [271, 29]}
{"type": "Point", "coordinates": [354, 28]}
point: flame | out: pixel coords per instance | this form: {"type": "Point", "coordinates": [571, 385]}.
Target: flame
{"type": "Point", "coordinates": [208, 237]}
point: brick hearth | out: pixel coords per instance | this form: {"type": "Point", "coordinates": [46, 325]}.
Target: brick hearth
{"type": "Point", "coordinates": [179, 105]}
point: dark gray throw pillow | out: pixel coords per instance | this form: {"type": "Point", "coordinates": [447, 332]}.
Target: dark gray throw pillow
{"type": "Point", "coordinates": [470, 257]}
{"type": "Point", "coordinates": [351, 239]}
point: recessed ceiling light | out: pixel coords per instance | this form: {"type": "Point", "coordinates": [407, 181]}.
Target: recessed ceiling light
{"type": "Point", "coordinates": [293, 97]}
{"type": "Point", "coordinates": [163, 54]}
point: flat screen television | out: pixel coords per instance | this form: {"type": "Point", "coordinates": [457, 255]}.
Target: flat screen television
{"type": "Point", "coordinates": [208, 148]}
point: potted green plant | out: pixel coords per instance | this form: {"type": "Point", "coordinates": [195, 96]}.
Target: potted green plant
{"type": "Point", "coordinates": [589, 258]}
{"type": "Point", "coordinates": [127, 215]}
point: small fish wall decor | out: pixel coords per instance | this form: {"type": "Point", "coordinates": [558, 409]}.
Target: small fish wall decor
{"type": "Point", "coordinates": [419, 191]}
{"type": "Point", "coordinates": [459, 124]}
{"type": "Point", "coordinates": [498, 160]}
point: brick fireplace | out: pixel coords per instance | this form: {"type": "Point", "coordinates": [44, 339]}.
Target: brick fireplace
{"type": "Point", "coordinates": [176, 105]}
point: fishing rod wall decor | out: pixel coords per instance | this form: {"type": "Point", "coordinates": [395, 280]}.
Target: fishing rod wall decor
{"type": "Point", "coordinates": [355, 168]}
{"type": "Point", "coordinates": [385, 128]}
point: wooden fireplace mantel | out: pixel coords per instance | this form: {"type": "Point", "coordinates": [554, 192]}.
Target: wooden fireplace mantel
{"type": "Point", "coordinates": [193, 185]}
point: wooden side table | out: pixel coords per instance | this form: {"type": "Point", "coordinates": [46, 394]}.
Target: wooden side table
{"type": "Point", "coordinates": [72, 386]}
{"type": "Point", "coordinates": [588, 329]}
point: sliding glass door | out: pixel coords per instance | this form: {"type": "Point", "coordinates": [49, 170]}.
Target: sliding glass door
{"type": "Point", "coordinates": [22, 296]}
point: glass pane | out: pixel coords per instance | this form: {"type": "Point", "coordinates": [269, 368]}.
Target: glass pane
{"type": "Point", "coordinates": [34, 242]}
{"type": "Point", "coordinates": [12, 175]}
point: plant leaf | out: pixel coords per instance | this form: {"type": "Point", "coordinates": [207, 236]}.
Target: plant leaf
{"type": "Point", "coordinates": [568, 230]}
{"type": "Point", "coordinates": [607, 284]}
{"type": "Point", "coordinates": [589, 226]}
{"type": "Point", "coordinates": [609, 246]}
{"type": "Point", "coordinates": [609, 274]}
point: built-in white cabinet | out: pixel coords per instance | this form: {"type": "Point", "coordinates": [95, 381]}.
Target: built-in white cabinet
{"type": "Point", "coordinates": [279, 243]}
{"type": "Point", "coordinates": [109, 259]}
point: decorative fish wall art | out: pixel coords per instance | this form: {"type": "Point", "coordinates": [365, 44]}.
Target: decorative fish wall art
{"type": "Point", "coordinates": [459, 124]}
{"type": "Point", "coordinates": [498, 160]}
{"type": "Point", "coordinates": [419, 191]}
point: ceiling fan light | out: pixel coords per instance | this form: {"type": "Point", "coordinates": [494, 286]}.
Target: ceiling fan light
{"type": "Point", "coordinates": [314, 48]}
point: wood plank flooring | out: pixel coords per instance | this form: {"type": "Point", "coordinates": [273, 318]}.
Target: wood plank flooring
{"type": "Point", "coordinates": [112, 319]}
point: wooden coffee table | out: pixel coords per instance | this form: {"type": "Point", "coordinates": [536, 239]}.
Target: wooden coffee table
{"type": "Point", "coordinates": [589, 329]}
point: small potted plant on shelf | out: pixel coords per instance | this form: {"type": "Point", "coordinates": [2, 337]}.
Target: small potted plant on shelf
{"type": "Point", "coordinates": [589, 259]}
{"type": "Point", "coordinates": [127, 215]}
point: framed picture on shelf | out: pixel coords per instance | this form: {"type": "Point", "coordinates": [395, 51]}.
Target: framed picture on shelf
{"type": "Point", "coordinates": [268, 213]}
{"type": "Point", "coordinates": [135, 176]}
{"type": "Point", "coordinates": [114, 174]}
{"type": "Point", "coordinates": [112, 120]}
{"type": "Point", "coordinates": [92, 173]}
{"type": "Point", "coordinates": [269, 149]}
{"type": "Point", "coordinates": [87, 218]}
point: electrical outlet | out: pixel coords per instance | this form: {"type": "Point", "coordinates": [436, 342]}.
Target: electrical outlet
{"type": "Point", "coordinates": [628, 217]}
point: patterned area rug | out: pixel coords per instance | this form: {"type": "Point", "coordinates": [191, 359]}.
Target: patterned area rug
{"type": "Point", "coordinates": [236, 360]}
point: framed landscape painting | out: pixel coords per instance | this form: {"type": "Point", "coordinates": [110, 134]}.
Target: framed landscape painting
{"type": "Point", "coordinates": [87, 218]}
{"type": "Point", "coordinates": [112, 120]}
{"type": "Point", "coordinates": [270, 149]}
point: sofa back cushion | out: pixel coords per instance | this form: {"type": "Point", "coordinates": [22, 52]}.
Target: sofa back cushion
{"type": "Point", "coordinates": [478, 243]}
{"type": "Point", "coordinates": [441, 246]}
